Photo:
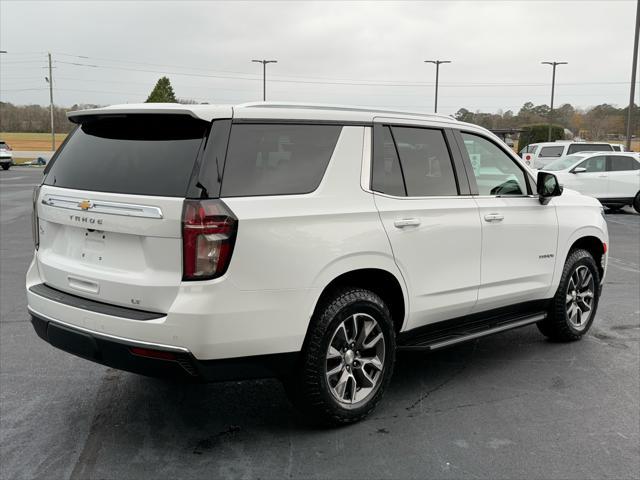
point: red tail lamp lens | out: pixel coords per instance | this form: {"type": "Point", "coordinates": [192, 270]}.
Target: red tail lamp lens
{"type": "Point", "coordinates": [147, 352]}
{"type": "Point", "coordinates": [208, 235]}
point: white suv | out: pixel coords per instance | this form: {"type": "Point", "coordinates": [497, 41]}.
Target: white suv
{"type": "Point", "coordinates": [305, 242]}
{"type": "Point", "coordinates": [612, 178]}
{"type": "Point", "coordinates": [538, 155]}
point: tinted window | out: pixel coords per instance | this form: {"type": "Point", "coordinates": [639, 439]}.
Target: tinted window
{"type": "Point", "coordinates": [137, 154]}
{"type": "Point", "coordinates": [594, 164]}
{"type": "Point", "coordinates": [3, 145]}
{"type": "Point", "coordinates": [616, 148]}
{"type": "Point", "coordinates": [620, 163]}
{"type": "Point", "coordinates": [551, 151]}
{"type": "Point", "coordinates": [426, 162]}
{"type": "Point", "coordinates": [496, 172]}
{"type": "Point", "coordinates": [277, 159]}
{"type": "Point", "coordinates": [589, 147]}
{"type": "Point", "coordinates": [387, 173]}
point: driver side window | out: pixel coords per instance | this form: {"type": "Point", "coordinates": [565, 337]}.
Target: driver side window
{"type": "Point", "coordinates": [594, 164]}
{"type": "Point", "coordinates": [496, 173]}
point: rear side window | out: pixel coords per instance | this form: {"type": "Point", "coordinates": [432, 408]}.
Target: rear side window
{"type": "Point", "coordinates": [589, 147]}
{"type": "Point", "coordinates": [426, 162]}
{"type": "Point", "coordinates": [270, 159]}
{"type": "Point", "coordinates": [551, 152]}
{"type": "Point", "coordinates": [135, 154]}
{"type": "Point", "coordinates": [618, 163]}
{"type": "Point", "coordinates": [387, 172]}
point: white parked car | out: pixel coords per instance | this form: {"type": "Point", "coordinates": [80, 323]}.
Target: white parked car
{"type": "Point", "coordinates": [614, 179]}
{"type": "Point", "coordinates": [305, 242]}
{"type": "Point", "coordinates": [6, 156]}
{"type": "Point", "coordinates": [538, 155]}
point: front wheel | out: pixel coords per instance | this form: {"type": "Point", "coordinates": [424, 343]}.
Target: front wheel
{"type": "Point", "coordinates": [347, 360]}
{"type": "Point", "coordinates": [636, 202]}
{"type": "Point", "coordinates": [574, 306]}
{"type": "Point", "coordinates": [5, 166]}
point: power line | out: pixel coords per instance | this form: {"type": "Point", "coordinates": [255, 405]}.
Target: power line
{"type": "Point", "coordinates": [370, 84]}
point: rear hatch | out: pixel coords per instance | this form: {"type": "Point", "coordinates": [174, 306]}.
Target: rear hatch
{"type": "Point", "coordinates": [111, 205]}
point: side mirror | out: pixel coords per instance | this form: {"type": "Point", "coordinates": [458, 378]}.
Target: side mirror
{"type": "Point", "coordinates": [548, 187]}
{"type": "Point", "coordinates": [579, 170]}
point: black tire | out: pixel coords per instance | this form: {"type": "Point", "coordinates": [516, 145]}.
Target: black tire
{"type": "Point", "coordinates": [557, 326]}
{"type": "Point", "coordinates": [309, 389]}
{"type": "Point", "coordinates": [636, 202]}
{"type": "Point", "coordinates": [5, 166]}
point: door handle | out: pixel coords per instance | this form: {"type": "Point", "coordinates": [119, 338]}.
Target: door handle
{"type": "Point", "coordinates": [406, 222]}
{"type": "Point", "coordinates": [493, 217]}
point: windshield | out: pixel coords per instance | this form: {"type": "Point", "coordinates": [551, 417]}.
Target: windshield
{"type": "Point", "coordinates": [563, 163]}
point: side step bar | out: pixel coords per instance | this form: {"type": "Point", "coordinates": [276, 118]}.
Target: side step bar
{"type": "Point", "coordinates": [453, 336]}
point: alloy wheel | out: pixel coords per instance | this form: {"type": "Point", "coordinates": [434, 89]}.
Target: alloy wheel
{"type": "Point", "coordinates": [580, 297]}
{"type": "Point", "coordinates": [355, 359]}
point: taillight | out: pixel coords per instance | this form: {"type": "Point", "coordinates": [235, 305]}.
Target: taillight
{"type": "Point", "coordinates": [208, 234]}
{"type": "Point", "coordinates": [35, 227]}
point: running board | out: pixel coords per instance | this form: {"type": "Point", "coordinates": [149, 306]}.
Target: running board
{"type": "Point", "coordinates": [464, 333]}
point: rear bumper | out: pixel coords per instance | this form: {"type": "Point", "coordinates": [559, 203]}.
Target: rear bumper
{"type": "Point", "coordinates": [175, 362]}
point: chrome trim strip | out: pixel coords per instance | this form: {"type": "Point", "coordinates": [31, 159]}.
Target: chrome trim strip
{"type": "Point", "coordinates": [102, 206]}
{"type": "Point", "coordinates": [126, 341]}
{"type": "Point", "coordinates": [501, 328]}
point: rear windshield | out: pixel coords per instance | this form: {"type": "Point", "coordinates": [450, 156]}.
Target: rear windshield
{"type": "Point", "coordinates": [589, 147]}
{"type": "Point", "coordinates": [270, 159]}
{"type": "Point", "coordinates": [551, 151]}
{"type": "Point", "coordinates": [529, 149]}
{"type": "Point", "coordinates": [134, 154]}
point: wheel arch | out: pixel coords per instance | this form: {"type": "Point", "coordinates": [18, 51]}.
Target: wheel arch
{"type": "Point", "coordinates": [387, 285]}
{"type": "Point", "coordinates": [593, 245]}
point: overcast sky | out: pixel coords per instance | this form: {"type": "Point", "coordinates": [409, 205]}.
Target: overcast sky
{"type": "Point", "coordinates": [361, 53]}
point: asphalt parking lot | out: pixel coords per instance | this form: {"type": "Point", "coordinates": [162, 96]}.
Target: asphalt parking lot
{"type": "Point", "coordinates": [507, 406]}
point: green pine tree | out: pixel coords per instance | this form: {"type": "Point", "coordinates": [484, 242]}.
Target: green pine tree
{"type": "Point", "coordinates": [162, 92]}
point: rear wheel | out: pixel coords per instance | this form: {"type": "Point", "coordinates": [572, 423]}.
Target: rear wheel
{"type": "Point", "coordinates": [347, 360]}
{"type": "Point", "coordinates": [574, 306]}
{"type": "Point", "coordinates": [636, 202]}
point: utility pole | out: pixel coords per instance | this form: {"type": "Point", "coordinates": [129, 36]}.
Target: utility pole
{"type": "Point", "coordinates": [437, 64]}
{"type": "Point", "coordinates": [50, 80]}
{"type": "Point", "coordinates": [264, 76]}
{"type": "Point", "coordinates": [634, 69]}
{"type": "Point", "coordinates": [553, 86]}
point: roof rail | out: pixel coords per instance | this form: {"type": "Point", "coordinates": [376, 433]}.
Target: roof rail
{"type": "Point", "coordinates": [345, 108]}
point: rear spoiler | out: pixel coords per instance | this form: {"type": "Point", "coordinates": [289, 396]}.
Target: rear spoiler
{"type": "Point", "coordinates": [202, 112]}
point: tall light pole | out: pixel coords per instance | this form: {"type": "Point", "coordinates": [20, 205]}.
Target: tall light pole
{"type": "Point", "coordinates": [49, 80]}
{"type": "Point", "coordinates": [634, 68]}
{"type": "Point", "coordinates": [264, 76]}
{"type": "Point", "coordinates": [437, 64]}
{"type": "Point", "coordinates": [553, 86]}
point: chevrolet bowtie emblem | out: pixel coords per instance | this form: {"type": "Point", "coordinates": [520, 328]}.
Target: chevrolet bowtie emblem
{"type": "Point", "coordinates": [85, 204]}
